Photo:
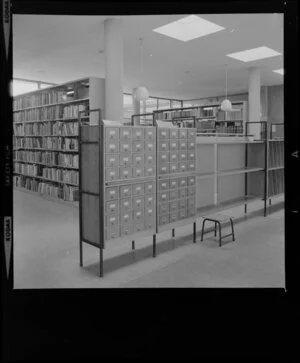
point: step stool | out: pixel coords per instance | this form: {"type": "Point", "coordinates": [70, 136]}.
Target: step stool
{"type": "Point", "coordinates": [218, 219]}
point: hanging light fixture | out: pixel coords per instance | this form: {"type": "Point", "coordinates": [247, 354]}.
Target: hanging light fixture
{"type": "Point", "coordinates": [141, 93]}
{"type": "Point", "coordinates": [226, 104]}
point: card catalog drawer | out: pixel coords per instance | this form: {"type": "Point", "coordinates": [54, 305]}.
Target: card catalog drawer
{"type": "Point", "coordinates": [126, 230]}
{"type": "Point", "coordinates": [139, 227]}
{"type": "Point", "coordinates": [164, 219]}
{"type": "Point", "coordinates": [163, 145]}
{"type": "Point", "coordinates": [163, 134]}
{"type": "Point", "coordinates": [192, 191]}
{"type": "Point", "coordinates": [182, 133]}
{"type": "Point", "coordinates": [182, 204]}
{"type": "Point", "coordinates": [191, 155]}
{"type": "Point", "coordinates": [163, 169]}
{"type": "Point", "coordinates": [138, 203]}
{"type": "Point", "coordinates": [112, 160]}
{"type": "Point", "coordinates": [163, 185]}
{"type": "Point", "coordinates": [138, 133]}
{"type": "Point", "coordinates": [174, 194]}
{"type": "Point", "coordinates": [112, 221]}
{"type": "Point", "coordinates": [192, 134]}
{"type": "Point", "coordinates": [138, 159]}
{"type": "Point", "coordinates": [138, 146]}
{"type": "Point", "coordinates": [163, 208]}
{"type": "Point", "coordinates": [173, 157]}
{"type": "Point", "coordinates": [150, 159]}
{"type": "Point", "coordinates": [138, 216]}
{"type": "Point", "coordinates": [183, 193]}
{"type": "Point", "coordinates": [191, 145]}
{"type": "Point", "coordinates": [174, 217]}
{"type": "Point", "coordinates": [191, 212]}
{"type": "Point", "coordinates": [111, 133]}
{"type": "Point", "coordinates": [182, 182]}
{"type": "Point", "coordinates": [126, 205]}
{"type": "Point", "coordinates": [173, 133]}
{"type": "Point", "coordinates": [150, 133]}
{"type": "Point", "coordinates": [150, 187]}
{"type": "Point", "coordinates": [163, 158]}
{"type": "Point", "coordinates": [112, 193]}
{"type": "Point", "coordinates": [138, 189]}
{"type": "Point", "coordinates": [125, 159]}
{"type": "Point", "coordinates": [112, 146]}
{"type": "Point", "coordinates": [191, 165]}
{"type": "Point", "coordinates": [182, 213]}
{"type": "Point", "coordinates": [150, 147]}
{"type": "Point", "coordinates": [125, 146]}
{"type": "Point", "coordinates": [125, 133]}
{"type": "Point", "coordinates": [163, 197]}
{"type": "Point", "coordinates": [150, 200]}
{"type": "Point", "coordinates": [174, 206]}
{"type": "Point", "coordinates": [125, 191]}
{"type": "Point", "coordinates": [182, 155]}
{"type": "Point", "coordinates": [125, 172]}
{"type": "Point", "coordinates": [191, 203]}
{"type": "Point", "coordinates": [112, 233]}
{"type": "Point", "coordinates": [126, 218]}
{"type": "Point", "coordinates": [149, 213]}
{"type": "Point", "coordinates": [112, 207]}
{"type": "Point", "coordinates": [150, 222]}
{"type": "Point", "coordinates": [173, 183]}
{"type": "Point", "coordinates": [138, 171]}
{"type": "Point", "coordinates": [182, 145]}
{"type": "Point", "coordinates": [111, 174]}
{"type": "Point", "coordinates": [173, 145]}
{"type": "Point", "coordinates": [183, 167]}
{"type": "Point", "coordinates": [174, 168]}
{"type": "Point", "coordinates": [150, 170]}
{"type": "Point", "coordinates": [191, 180]}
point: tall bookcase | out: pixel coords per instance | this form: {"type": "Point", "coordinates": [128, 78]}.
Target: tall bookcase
{"type": "Point", "coordinates": [209, 118]}
{"type": "Point", "coordinates": [45, 139]}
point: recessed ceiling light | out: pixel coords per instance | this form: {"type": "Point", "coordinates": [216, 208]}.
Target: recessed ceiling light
{"type": "Point", "coordinates": [279, 71]}
{"type": "Point", "coordinates": [254, 54]}
{"type": "Point", "coordinates": [188, 28]}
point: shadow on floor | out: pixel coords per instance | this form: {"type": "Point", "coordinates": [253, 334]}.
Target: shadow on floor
{"type": "Point", "coordinates": [133, 256]}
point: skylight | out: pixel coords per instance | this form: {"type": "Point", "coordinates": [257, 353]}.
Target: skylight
{"type": "Point", "coordinates": [279, 71]}
{"type": "Point", "coordinates": [188, 28]}
{"type": "Point", "coordinates": [254, 54]}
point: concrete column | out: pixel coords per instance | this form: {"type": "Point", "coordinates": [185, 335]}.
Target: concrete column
{"type": "Point", "coordinates": [113, 53]}
{"type": "Point", "coordinates": [136, 106]}
{"type": "Point", "coordinates": [254, 101]}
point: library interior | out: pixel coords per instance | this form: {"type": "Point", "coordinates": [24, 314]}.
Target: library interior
{"type": "Point", "coordinates": [148, 151]}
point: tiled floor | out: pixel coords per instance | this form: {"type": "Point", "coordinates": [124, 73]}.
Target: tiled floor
{"type": "Point", "coordinates": [46, 253]}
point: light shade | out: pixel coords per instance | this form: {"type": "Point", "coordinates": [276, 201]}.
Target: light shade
{"type": "Point", "coordinates": [141, 93]}
{"type": "Point", "coordinates": [226, 105]}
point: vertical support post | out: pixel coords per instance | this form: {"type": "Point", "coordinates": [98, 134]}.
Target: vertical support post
{"type": "Point", "coordinates": [266, 169]}
{"type": "Point", "coordinates": [194, 232]}
{"type": "Point", "coordinates": [133, 245]}
{"type": "Point", "coordinates": [154, 245]}
{"type": "Point", "coordinates": [215, 174]}
{"type": "Point", "coordinates": [173, 232]}
{"type": "Point", "coordinates": [246, 175]}
{"type": "Point", "coordinates": [101, 262]}
{"type": "Point", "coordinates": [220, 234]}
{"type": "Point", "coordinates": [80, 193]}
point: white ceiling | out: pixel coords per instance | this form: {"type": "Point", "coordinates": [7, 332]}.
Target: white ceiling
{"type": "Point", "coordinates": [57, 49]}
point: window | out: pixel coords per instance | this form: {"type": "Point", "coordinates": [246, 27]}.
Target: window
{"type": "Point", "coordinates": [164, 104]}
{"type": "Point", "coordinates": [175, 104]}
{"type": "Point", "coordinates": [19, 87]}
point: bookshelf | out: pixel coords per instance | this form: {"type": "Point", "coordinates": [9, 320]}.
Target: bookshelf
{"type": "Point", "coordinates": [275, 179]}
{"type": "Point", "coordinates": [209, 118]}
{"type": "Point", "coordinates": [45, 136]}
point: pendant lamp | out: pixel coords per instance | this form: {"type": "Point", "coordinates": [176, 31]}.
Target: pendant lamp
{"type": "Point", "coordinates": [226, 104]}
{"type": "Point", "coordinates": [141, 93]}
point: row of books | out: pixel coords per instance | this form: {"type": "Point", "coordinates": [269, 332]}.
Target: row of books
{"type": "Point", "coordinates": [48, 158]}
{"type": "Point", "coordinates": [65, 192]}
{"type": "Point", "coordinates": [230, 116]}
{"type": "Point", "coordinates": [66, 176]}
{"type": "Point", "coordinates": [38, 99]}
{"type": "Point", "coordinates": [28, 169]}
{"type": "Point", "coordinates": [229, 129]}
{"type": "Point", "coordinates": [37, 114]}
{"type": "Point", "coordinates": [56, 143]}
{"type": "Point", "coordinates": [41, 129]}
{"type": "Point", "coordinates": [276, 154]}
{"type": "Point", "coordinates": [276, 182]}
{"type": "Point", "coordinates": [71, 111]}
